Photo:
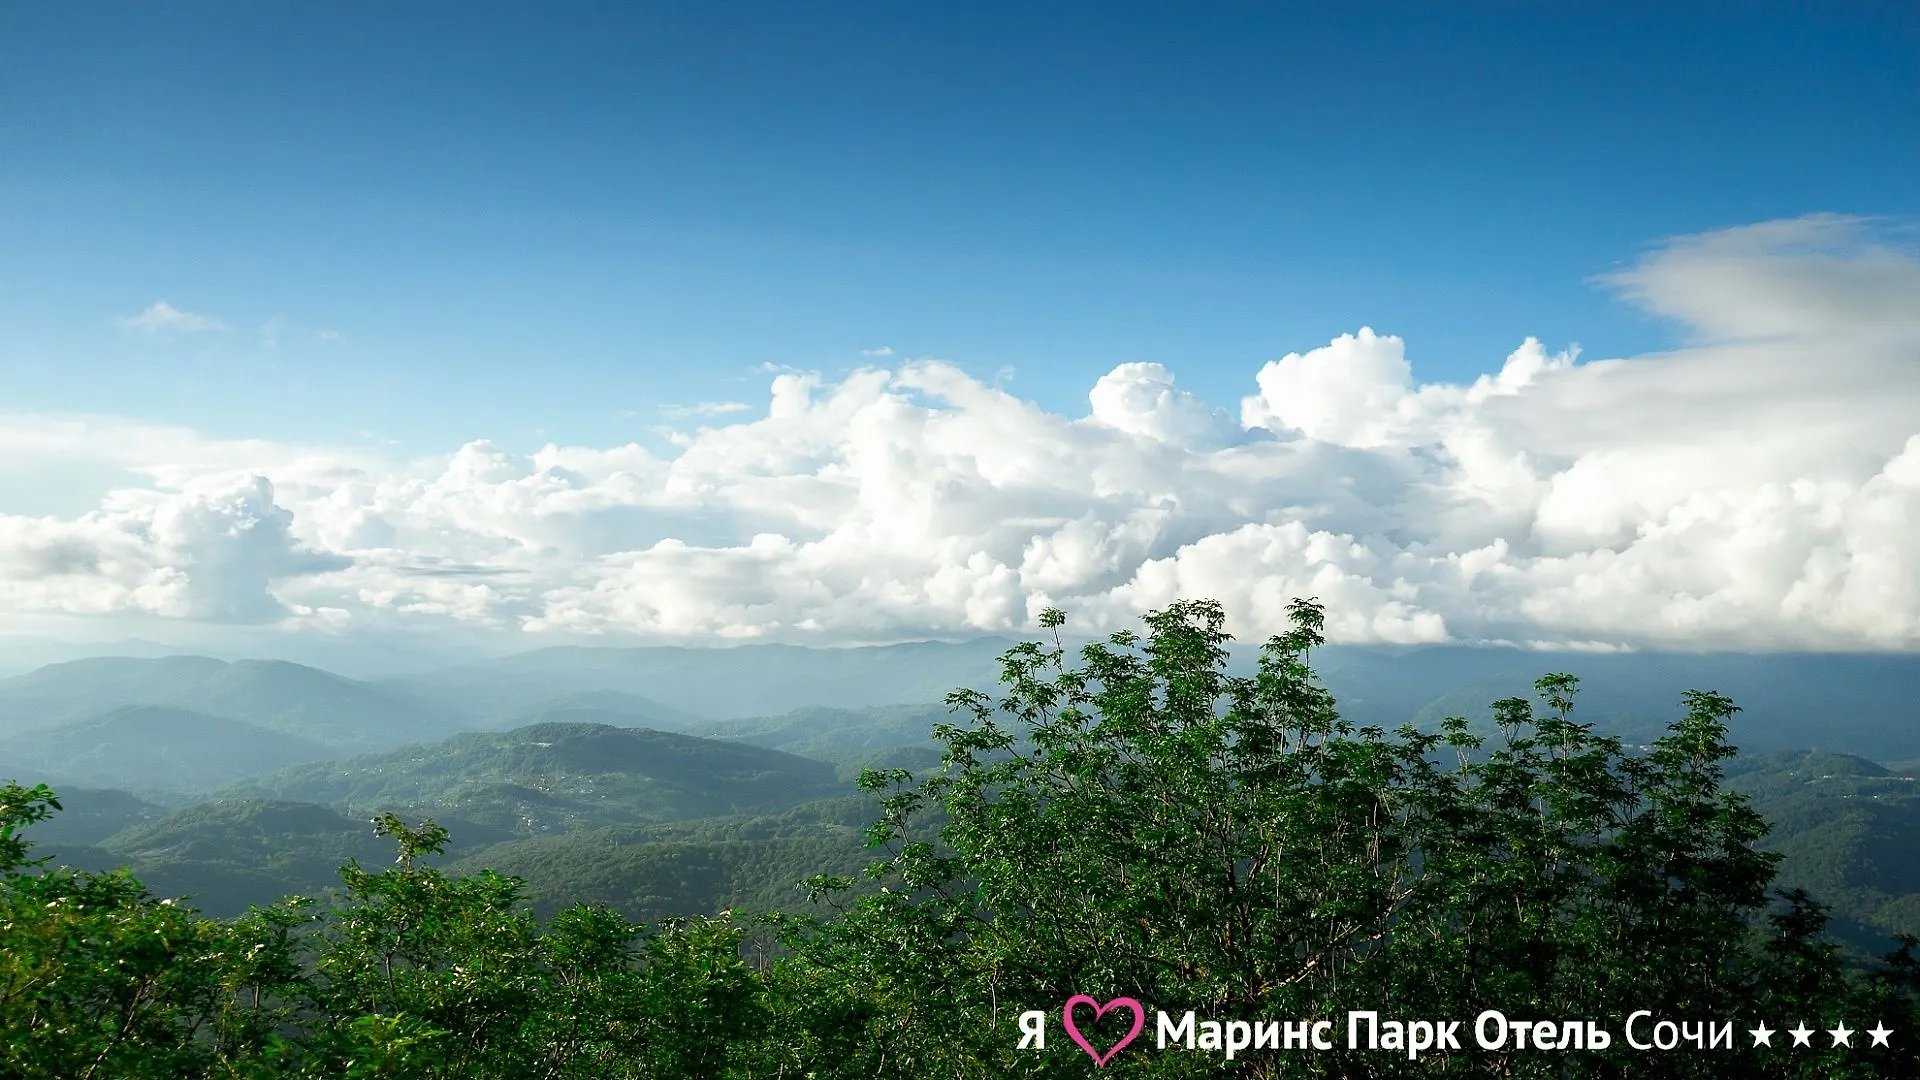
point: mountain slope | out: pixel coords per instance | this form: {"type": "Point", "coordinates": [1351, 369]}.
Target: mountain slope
{"type": "Point", "coordinates": [228, 854]}
{"type": "Point", "coordinates": [153, 748]}
{"type": "Point", "coordinates": [90, 815]}
{"type": "Point", "coordinates": [557, 776]}
{"type": "Point", "coordinates": [275, 694]}
{"type": "Point", "coordinates": [318, 704]}
{"type": "Point", "coordinates": [650, 872]}
{"type": "Point", "coordinates": [64, 692]}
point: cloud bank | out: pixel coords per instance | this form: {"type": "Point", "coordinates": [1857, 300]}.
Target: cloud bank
{"type": "Point", "coordinates": [1757, 489]}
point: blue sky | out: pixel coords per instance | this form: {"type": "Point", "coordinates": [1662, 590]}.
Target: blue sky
{"type": "Point", "coordinates": [459, 320]}
{"type": "Point", "coordinates": [523, 222]}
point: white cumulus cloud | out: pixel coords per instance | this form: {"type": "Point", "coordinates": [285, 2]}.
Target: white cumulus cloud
{"type": "Point", "coordinates": [1758, 488]}
{"type": "Point", "coordinates": [208, 551]}
{"type": "Point", "coordinates": [1141, 399]}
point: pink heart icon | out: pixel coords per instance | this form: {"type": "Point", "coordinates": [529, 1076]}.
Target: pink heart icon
{"type": "Point", "coordinates": [1099, 1010]}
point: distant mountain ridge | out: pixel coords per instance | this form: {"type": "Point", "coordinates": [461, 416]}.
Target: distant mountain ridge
{"type": "Point", "coordinates": [21, 655]}
{"type": "Point", "coordinates": [557, 776]}
{"type": "Point", "coordinates": [634, 711]}
{"type": "Point", "coordinates": [1866, 704]}
{"type": "Point", "coordinates": [867, 704]}
{"type": "Point", "coordinates": [836, 735]}
{"type": "Point", "coordinates": [737, 681]}
{"type": "Point", "coordinates": [274, 694]}
{"type": "Point", "coordinates": [1863, 704]}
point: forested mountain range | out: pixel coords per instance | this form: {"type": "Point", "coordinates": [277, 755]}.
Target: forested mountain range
{"type": "Point", "coordinates": [671, 781]}
{"type": "Point", "coordinates": [558, 776]}
{"type": "Point", "coordinates": [289, 698]}
{"type": "Point", "coordinates": [1863, 705]}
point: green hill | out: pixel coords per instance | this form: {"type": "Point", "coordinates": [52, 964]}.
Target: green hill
{"type": "Point", "coordinates": [1849, 833]}
{"type": "Point", "coordinates": [228, 854]}
{"type": "Point", "coordinates": [61, 693]}
{"type": "Point", "coordinates": [154, 748]}
{"type": "Point", "coordinates": [318, 704]}
{"type": "Point", "coordinates": [558, 776]}
{"type": "Point", "coordinates": [650, 872]}
{"type": "Point", "coordinates": [246, 829]}
{"type": "Point", "coordinates": [90, 815]}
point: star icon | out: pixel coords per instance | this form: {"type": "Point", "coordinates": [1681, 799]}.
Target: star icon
{"type": "Point", "coordinates": [1762, 1035]}
{"type": "Point", "coordinates": [1801, 1034]}
{"type": "Point", "coordinates": [1880, 1031]}
{"type": "Point", "coordinates": [1841, 1036]}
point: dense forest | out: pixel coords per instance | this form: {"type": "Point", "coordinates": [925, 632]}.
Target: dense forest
{"type": "Point", "coordinates": [1131, 821]}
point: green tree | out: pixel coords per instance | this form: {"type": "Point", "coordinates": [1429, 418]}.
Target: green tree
{"type": "Point", "coordinates": [99, 979]}
{"type": "Point", "coordinates": [1146, 824]}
